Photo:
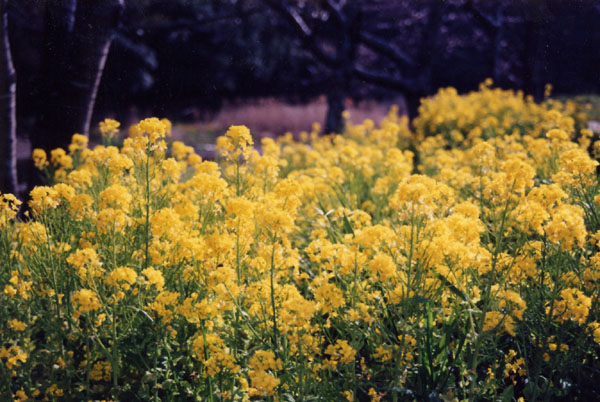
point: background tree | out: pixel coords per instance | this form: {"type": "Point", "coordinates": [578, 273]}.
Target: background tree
{"type": "Point", "coordinates": [296, 50]}
{"type": "Point", "coordinates": [8, 123]}
{"type": "Point", "coordinates": [183, 59]}
{"type": "Point", "coordinates": [77, 38]}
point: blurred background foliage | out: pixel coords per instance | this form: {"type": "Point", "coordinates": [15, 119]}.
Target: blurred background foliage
{"type": "Point", "coordinates": [76, 62]}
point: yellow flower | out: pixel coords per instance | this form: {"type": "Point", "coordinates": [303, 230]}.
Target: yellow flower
{"type": "Point", "coordinates": [155, 128]}
{"type": "Point", "coordinates": [264, 360]}
{"type": "Point", "coordinates": [262, 383]}
{"type": "Point", "coordinates": [43, 197]}
{"type": "Point", "coordinates": [329, 296]}
{"type": "Point", "coordinates": [9, 206]}
{"type": "Point", "coordinates": [54, 391]}
{"type": "Point", "coordinates": [18, 286]}
{"type": "Point", "coordinates": [240, 136]}
{"type": "Point", "coordinates": [262, 364]}
{"type": "Point", "coordinates": [573, 305]}
{"type": "Point", "coordinates": [21, 396]}
{"type": "Point", "coordinates": [108, 128]}
{"type": "Point", "coordinates": [86, 300]}
{"type": "Point", "coordinates": [519, 174]}
{"type": "Point", "coordinates": [101, 370]}
{"type": "Point", "coordinates": [340, 353]}
{"type": "Point", "coordinates": [115, 195]}
{"type": "Point", "coordinates": [16, 325]}
{"type": "Point", "coordinates": [80, 178]}
{"type": "Point", "coordinates": [60, 159]}
{"type": "Point", "coordinates": [375, 396]}
{"type": "Point", "coordinates": [14, 356]}
{"type": "Point", "coordinates": [594, 328]}
{"type": "Point", "coordinates": [171, 169]}
{"type": "Point", "coordinates": [557, 134]}
{"type": "Point", "coordinates": [567, 227]}
{"type": "Point", "coordinates": [86, 261]}
{"type": "Point", "coordinates": [166, 222]}
{"type": "Point", "coordinates": [382, 266]}
{"type": "Point", "coordinates": [39, 158]}
{"type": "Point", "coordinates": [164, 304]}
{"type": "Point", "coordinates": [236, 142]}
{"type": "Point", "coordinates": [383, 353]}
{"type": "Point", "coordinates": [122, 277]}
{"type": "Point", "coordinates": [154, 277]}
{"type": "Point", "coordinates": [79, 142]}
{"type": "Point", "coordinates": [112, 221]}
{"type": "Point", "coordinates": [492, 320]}
{"type": "Point", "coordinates": [239, 207]}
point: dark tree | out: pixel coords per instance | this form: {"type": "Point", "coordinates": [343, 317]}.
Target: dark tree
{"type": "Point", "coordinates": [347, 37]}
{"type": "Point", "coordinates": [77, 38]}
{"type": "Point", "coordinates": [537, 17]}
{"type": "Point", "coordinates": [8, 124]}
{"type": "Point", "coordinates": [333, 41]}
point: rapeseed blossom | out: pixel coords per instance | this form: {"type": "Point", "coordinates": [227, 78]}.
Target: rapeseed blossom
{"type": "Point", "coordinates": [457, 256]}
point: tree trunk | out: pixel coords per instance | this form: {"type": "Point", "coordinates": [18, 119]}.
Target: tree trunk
{"type": "Point", "coordinates": [537, 17]}
{"type": "Point", "coordinates": [8, 122]}
{"type": "Point", "coordinates": [350, 19]}
{"type": "Point", "coordinates": [497, 43]}
{"type": "Point", "coordinates": [94, 30]}
{"type": "Point", "coordinates": [51, 121]}
{"type": "Point", "coordinates": [533, 79]}
{"type": "Point", "coordinates": [335, 107]}
{"type": "Point", "coordinates": [429, 55]}
{"type": "Point", "coordinates": [77, 39]}
{"type": "Point", "coordinates": [413, 101]}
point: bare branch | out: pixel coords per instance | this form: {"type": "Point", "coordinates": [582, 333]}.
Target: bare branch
{"type": "Point", "coordinates": [382, 46]}
{"type": "Point", "coordinates": [336, 10]}
{"type": "Point", "coordinates": [298, 20]}
{"type": "Point", "coordinates": [305, 33]}
{"type": "Point", "coordinates": [8, 118]}
{"type": "Point", "coordinates": [194, 24]}
{"type": "Point", "coordinates": [488, 22]}
{"type": "Point", "coordinates": [405, 86]}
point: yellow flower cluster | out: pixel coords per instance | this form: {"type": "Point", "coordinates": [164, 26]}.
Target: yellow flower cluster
{"type": "Point", "coordinates": [85, 300]}
{"type": "Point", "coordinates": [573, 305]}
{"type": "Point", "coordinates": [359, 266]}
{"type": "Point", "coordinates": [262, 366]}
{"type": "Point", "coordinates": [487, 113]}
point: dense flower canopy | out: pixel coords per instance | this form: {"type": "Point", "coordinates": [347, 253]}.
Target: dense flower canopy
{"type": "Point", "coordinates": [458, 260]}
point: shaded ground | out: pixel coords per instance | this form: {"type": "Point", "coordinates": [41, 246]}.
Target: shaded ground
{"type": "Point", "coordinates": [267, 117]}
{"type": "Point", "coordinates": [270, 117]}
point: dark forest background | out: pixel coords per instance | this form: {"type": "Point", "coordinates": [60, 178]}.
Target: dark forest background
{"type": "Point", "coordinates": [66, 64]}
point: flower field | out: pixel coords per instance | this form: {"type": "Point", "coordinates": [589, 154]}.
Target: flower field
{"type": "Point", "coordinates": [454, 259]}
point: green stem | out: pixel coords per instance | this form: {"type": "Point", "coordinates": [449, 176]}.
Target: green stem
{"type": "Point", "coordinates": [273, 296]}
{"type": "Point", "coordinates": [147, 223]}
{"type": "Point", "coordinates": [238, 189]}
{"type": "Point", "coordinates": [87, 365]}
{"type": "Point", "coordinates": [206, 357]}
{"type": "Point", "coordinates": [155, 371]}
{"type": "Point", "coordinates": [115, 357]}
{"type": "Point", "coordinates": [239, 281]}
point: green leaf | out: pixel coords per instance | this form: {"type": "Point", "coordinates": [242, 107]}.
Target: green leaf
{"type": "Point", "coordinates": [288, 398]}
{"type": "Point", "coordinates": [417, 299]}
{"type": "Point", "coordinates": [148, 377]}
{"type": "Point", "coordinates": [433, 397]}
{"type": "Point", "coordinates": [452, 288]}
{"type": "Point", "coordinates": [508, 394]}
{"type": "Point", "coordinates": [400, 391]}
{"type": "Point", "coordinates": [347, 226]}
{"type": "Point", "coordinates": [143, 312]}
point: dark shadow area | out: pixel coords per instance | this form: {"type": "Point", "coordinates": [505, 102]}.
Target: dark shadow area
{"type": "Point", "coordinates": [77, 62]}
